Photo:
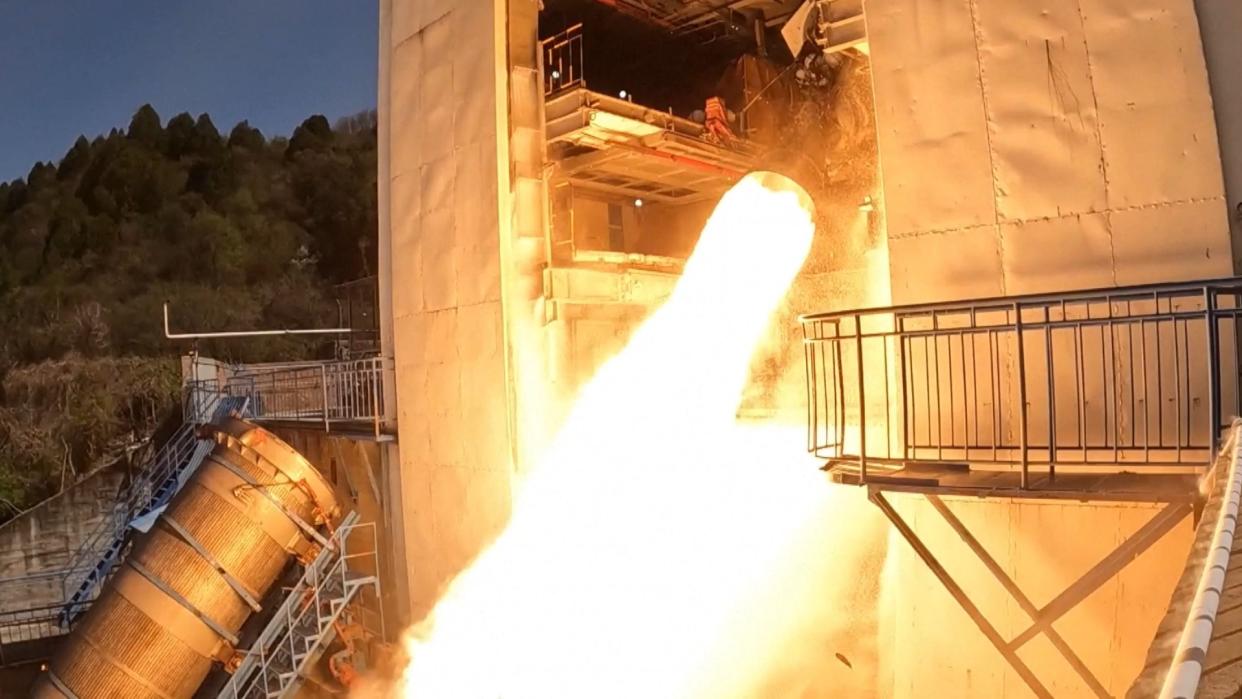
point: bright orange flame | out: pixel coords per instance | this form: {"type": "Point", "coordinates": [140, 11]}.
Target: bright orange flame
{"type": "Point", "coordinates": [641, 545]}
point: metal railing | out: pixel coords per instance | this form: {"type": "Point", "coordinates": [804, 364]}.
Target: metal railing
{"type": "Point", "coordinates": [1142, 376]}
{"type": "Point", "coordinates": [20, 629]}
{"type": "Point", "coordinates": [357, 304]}
{"type": "Point", "coordinates": [308, 618]}
{"type": "Point", "coordinates": [563, 61]}
{"type": "Point", "coordinates": [77, 585]}
{"type": "Point", "coordinates": [1189, 659]}
{"type": "Point", "coordinates": [349, 392]}
{"type": "Point", "coordinates": [165, 470]}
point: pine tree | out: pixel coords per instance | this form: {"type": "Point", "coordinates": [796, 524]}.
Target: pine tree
{"type": "Point", "coordinates": [145, 126]}
{"type": "Point", "coordinates": [246, 137]}
{"type": "Point", "coordinates": [76, 160]}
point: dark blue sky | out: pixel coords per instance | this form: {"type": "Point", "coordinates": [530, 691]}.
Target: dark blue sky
{"type": "Point", "coordinates": [70, 67]}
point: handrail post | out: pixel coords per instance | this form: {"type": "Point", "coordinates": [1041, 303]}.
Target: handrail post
{"type": "Point", "coordinates": [899, 326]}
{"type": "Point", "coordinates": [323, 385]}
{"type": "Point", "coordinates": [1213, 347]}
{"type": "Point", "coordinates": [376, 381]}
{"type": "Point", "coordinates": [1017, 324]}
{"type": "Point", "coordinates": [1052, 399]}
{"type": "Point", "coordinates": [862, 400]}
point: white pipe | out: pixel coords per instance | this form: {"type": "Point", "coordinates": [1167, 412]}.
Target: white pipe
{"type": "Point", "coordinates": [249, 333]}
{"type": "Point", "coordinates": [1183, 679]}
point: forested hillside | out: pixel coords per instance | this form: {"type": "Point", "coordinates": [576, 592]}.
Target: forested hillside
{"type": "Point", "coordinates": [235, 230]}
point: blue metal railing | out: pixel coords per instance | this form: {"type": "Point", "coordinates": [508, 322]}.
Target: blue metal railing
{"type": "Point", "coordinates": [154, 487]}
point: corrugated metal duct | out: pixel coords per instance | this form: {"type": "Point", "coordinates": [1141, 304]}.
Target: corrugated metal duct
{"type": "Point", "coordinates": [176, 604]}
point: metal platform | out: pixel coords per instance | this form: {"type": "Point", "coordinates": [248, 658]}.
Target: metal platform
{"type": "Point", "coordinates": [1139, 381]}
{"type": "Point", "coordinates": [1118, 394]}
{"type": "Point", "coordinates": [944, 479]}
{"type": "Point", "coordinates": [345, 397]}
{"type": "Point", "coordinates": [618, 147]}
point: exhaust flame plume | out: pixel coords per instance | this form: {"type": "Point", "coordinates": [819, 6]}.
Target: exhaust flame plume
{"type": "Point", "coordinates": [641, 546]}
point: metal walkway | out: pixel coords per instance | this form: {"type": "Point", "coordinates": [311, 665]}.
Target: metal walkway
{"type": "Point", "coordinates": [1118, 394]}
{"type": "Point", "coordinates": [337, 396]}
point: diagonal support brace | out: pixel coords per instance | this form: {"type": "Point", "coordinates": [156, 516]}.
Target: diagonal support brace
{"type": "Point", "coordinates": [1044, 617]}
{"type": "Point", "coordinates": [1105, 570]}
{"type": "Point", "coordinates": [960, 595]}
{"type": "Point", "coordinates": [1020, 597]}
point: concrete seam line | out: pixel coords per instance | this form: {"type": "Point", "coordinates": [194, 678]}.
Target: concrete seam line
{"type": "Point", "coordinates": [1191, 654]}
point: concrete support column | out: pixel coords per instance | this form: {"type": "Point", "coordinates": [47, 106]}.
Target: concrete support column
{"type": "Point", "coordinates": [528, 213]}
{"type": "Point", "coordinates": [448, 173]}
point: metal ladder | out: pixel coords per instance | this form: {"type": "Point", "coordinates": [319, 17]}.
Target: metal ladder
{"type": "Point", "coordinates": [305, 623]}
{"type": "Point", "coordinates": [167, 471]}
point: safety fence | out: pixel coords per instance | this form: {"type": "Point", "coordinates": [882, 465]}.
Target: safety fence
{"type": "Point", "coordinates": [1145, 376]}
{"type": "Point", "coordinates": [563, 60]}
{"type": "Point", "coordinates": [328, 393]}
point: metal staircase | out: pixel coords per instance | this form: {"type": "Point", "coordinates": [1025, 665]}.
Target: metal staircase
{"type": "Point", "coordinates": [306, 622]}
{"type": "Point", "coordinates": [167, 471]}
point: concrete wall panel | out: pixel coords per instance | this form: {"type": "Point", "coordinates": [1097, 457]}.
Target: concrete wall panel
{"type": "Point", "coordinates": [1155, 109]}
{"type": "Point", "coordinates": [405, 108]}
{"type": "Point", "coordinates": [438, 275]}
{"type": "Point", "coordinates": [1035, 260]}
{"type": "Point", "coordinates": [1037, 81]}
{"type": "Point", "coordinates": [436, 177]}
{"type": "Point", "coordinates": [405, 196]}
{"type": "Point", "coordinates": [1071, 117]}
{"type": "Point", "coordinates": [953, 265]}
{"type": "Point", "coordinates": [1193, 233]}
{"type": "Point", "coordinates": [937, 173]}
{"type": "Point", "coordinates": [406, 18]}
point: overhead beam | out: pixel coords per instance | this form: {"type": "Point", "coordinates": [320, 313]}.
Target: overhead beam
{"type": "Point", "coordinates": [586, 161]}
{"type": "Point", "coordinates": [625, 191]}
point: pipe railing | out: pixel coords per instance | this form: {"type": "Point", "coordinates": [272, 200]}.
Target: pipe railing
{"type": "Point", "coordinates": [1141, 376]}
{"type": "Point", "coordinates": [20, 628]}
{"type": "Point", "coordinates": [1190, 656]}
{"type": "Point", "coordinates": [329, 393]}
{"type": "Point", "coordinates": [563, 60]}
{"type": "Point", "coordinates": [169, 334]}
{"type": "Point", "coordinates": [97, 554]}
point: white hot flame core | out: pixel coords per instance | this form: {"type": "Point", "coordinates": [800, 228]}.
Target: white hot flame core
{"type": "Point", "coordinates": [642, 548]}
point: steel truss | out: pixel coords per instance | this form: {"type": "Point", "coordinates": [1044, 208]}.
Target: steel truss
{"type": "Point", "coordinates": [1042, 618]}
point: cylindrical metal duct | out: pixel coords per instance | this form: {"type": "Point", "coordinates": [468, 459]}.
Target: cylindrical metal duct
{"type": "Point", "coordinates": [177, 602]}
